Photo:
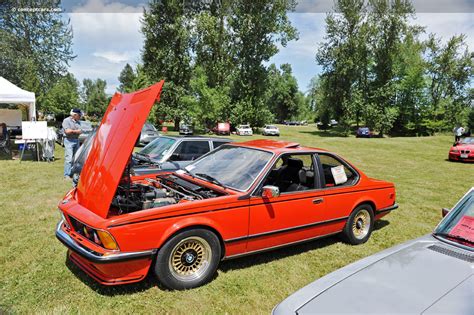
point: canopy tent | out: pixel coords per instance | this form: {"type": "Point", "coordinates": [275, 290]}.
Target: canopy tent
{"type": "Point", "coordinates": [12, 94]}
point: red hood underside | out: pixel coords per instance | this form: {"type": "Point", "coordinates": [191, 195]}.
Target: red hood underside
{"type": "Point", "coordinates": [112, 147]}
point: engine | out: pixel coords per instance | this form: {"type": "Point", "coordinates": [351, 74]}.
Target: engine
{"type": "Point", "coordinates": [157, 192]}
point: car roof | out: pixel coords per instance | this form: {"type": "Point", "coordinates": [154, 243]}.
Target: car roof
{"type": "Point", "coordinates": [276, 146]}
{"type": "Point", "coordinates": [196, 138]}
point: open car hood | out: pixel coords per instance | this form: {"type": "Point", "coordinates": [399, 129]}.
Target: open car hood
{"type": "Point", "coordinates": [113, 146]}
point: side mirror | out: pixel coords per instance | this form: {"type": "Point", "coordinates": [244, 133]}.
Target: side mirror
{"type": "Point", "coordinates": [444, 211]}
{"type": "Point", "coordinates": [270, 191]}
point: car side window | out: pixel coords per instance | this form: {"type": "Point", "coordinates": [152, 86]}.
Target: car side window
{"type": "Point", "coordinates": [292, 173]}
{"type": "Point", "coordinates": [335, 172]}
{"type": "Point", "coordinates": [217, 144]}
{"type": "Point", "coordinates": [190, 150]}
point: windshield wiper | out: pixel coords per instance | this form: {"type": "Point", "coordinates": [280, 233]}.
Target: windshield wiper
{"type": "Point", "coordinates": [211, 179]}
{"type": "Point", "coordinates": [456, 237]}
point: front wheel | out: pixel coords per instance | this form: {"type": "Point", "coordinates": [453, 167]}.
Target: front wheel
{"type": "Point", "coordinates": [359, 226]}
{"type": "Point", "coordinates": [188, 260]}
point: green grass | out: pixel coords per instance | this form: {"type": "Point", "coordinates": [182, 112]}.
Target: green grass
{"type": "Point", "coordinates": [34, 276]}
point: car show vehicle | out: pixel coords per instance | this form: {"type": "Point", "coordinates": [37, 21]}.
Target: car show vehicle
{"type": "Point", "coordinates": [170, 153]}
{"type": "Point", "coordinates": [222, 128]}
{"type": "Point", "coordinates": [186, 130]}
{"type": "Point", "coordinates": [243, 130]}
{"type": "Point", "coordinates": [148, 134]}
{"type": "Point", "coordinates": [236, 200]}
{"type": "Point", "coordinates": [270, 130]}
{"type": "Point", "coordinates": [363, 132]}
{"type": "Point", "coordinates": [462, 150]}
{"type": "Point", "coordinates": [429, 275]}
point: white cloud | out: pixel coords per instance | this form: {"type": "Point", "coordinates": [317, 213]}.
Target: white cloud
{"type": "Point", "coordinates": [113, 56]}
{"type": "Point", "coordinates": [104, 42]}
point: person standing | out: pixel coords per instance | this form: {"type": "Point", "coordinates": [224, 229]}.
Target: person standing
{"type": "Point", "coordinates": [72, 130]}
{"type": "Point", "coordinates": [458, 132]}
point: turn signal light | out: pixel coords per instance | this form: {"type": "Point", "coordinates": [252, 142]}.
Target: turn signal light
{"type": "Point", "coordinates": [107, 240]}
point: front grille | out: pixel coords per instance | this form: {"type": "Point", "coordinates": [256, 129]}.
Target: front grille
{"type": "Point", "coordinates": [84, 230]}
{"type": "Point", "coordinates": [449, 252]}
{"type": "Point", "coordinates": [465, 151]}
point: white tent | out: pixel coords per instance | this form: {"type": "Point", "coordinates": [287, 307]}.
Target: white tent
{"type": "Point", "coordinates": [12, 94]}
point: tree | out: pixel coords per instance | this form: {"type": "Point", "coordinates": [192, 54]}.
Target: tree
{"type": "Point", "coordinates": [167, 52]}
{"type": "Point", "coordinates": [282, 95]}
{"type": "Point", "coordinates": [36, 46]}
{"type": "Point", "coordinates": [449, 71]}
{"type": "Point", "coordinates": [63, 96]}
{"type": "Point", "coordinates": [257, 28]}
{"type": "Point", "coordinates": [126, 79]}
{"type": "Point", "coordinates": [94, 97]}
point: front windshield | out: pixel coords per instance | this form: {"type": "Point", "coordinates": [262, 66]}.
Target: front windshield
{"type": "Point", "coordinates": [469, 140]}
{"type": "Point", "coordinates": [245, 126]}
{"type": "Point", "coordinates": [271, 127]}
{"type": "Point", "coordinates": [459, 223]}
{"type": "Point", "coordinates": [158, 148]}
{"type": "Point", "coordinates": [234, 167]}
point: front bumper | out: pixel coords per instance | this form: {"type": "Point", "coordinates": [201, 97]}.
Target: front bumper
{"type": "Point", "coordinates": [107, 269]}
{"type": "Point", "coordinates": [457, 157]}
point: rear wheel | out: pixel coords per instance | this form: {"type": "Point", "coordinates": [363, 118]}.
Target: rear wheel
{"type": "Point", "coordinates": [188, 260]}
{"type": "Point", "coordinates": [359, 226]}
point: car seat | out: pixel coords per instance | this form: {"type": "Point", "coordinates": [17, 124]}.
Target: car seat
{"type": "Point", "coordinates": [289, 173]}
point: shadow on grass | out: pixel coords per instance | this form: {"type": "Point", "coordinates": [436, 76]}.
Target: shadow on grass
{"type": "Point", "coordinates": [287, 251]}
{"type": "Point", "coordinates": [123, 289]}
{"type": "Point", "coordinates": [326, 133]}
{"type": "Point", "coordinates": [239, 263]}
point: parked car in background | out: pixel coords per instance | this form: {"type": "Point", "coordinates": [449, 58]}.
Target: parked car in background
{"type": "Point", "coordinates": [244, 130]}
{"type": "Point", "coordinates": [148, 134]}
{"type": "Point", "coordinates": [429, 275]}
{"type": "Point", "coordinates": [462, 150]}
{"type": "Point", "coordinates": [363, 132]}
{"type": "Point", "coordinates": [333, 123]}
{"type": "Point", "coordinates": [270, 130]}
{"type": "Point", "coordinates": [185, 129]}
{"type": "Point", "coordinates": [170, 153]}
{"type": "Point", "coordinates": [86, 129]}
{"type": "Point", "coordinates": [222, 128]}
{"type": "Point", "coordinates": [236, 200]}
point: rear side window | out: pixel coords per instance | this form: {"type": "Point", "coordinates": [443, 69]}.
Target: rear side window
{"type": "Point", "coordinates": [190, 150]}
{"type": "Point", "coordinates": [335, 172]}
{"type": "Point", "coordinates": [217, 144]}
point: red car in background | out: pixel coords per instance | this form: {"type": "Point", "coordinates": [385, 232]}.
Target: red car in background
{"type": "Point", "coordinates": [462, 150]}
{"type": "Point", "coordinates": [242, 198]}
{"type": "Point", "coordinates": [222, 128]}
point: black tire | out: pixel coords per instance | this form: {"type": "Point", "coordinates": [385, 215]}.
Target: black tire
{"type": "Point", "coordinates": [196, 249]}
{"type": "Point", "coordinates": [359, 226]}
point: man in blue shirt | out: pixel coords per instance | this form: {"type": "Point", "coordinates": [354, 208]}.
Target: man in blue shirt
{"type": "Point", "coordinates": [72, 130]}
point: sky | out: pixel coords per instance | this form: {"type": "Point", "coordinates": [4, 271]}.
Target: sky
{"type": "Point", "coordinates": [107, 35]}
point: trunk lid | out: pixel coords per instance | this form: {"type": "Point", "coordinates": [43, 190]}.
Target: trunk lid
{"type": "Point", "coordinates": [113, 146]}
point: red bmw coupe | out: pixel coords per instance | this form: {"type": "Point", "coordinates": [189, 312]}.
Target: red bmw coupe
{"type": "Point", "coordinates": [242, 198]}
{"type": "Point", "coordinates": [462, 150]}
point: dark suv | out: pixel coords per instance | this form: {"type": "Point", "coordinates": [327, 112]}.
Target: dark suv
{"type": "Point", "coordinates": [170, 153]}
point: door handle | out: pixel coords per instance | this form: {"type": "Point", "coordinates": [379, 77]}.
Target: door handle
{"type": "Point", "coordinates": [318, 201]}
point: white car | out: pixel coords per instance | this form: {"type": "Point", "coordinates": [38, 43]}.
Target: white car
{"type": "Point", "coordinates": [271, 130]}
{"type": "Point", "coordinates": [244, 130]}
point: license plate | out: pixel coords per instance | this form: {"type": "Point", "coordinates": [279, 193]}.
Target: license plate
{"type": "Point", "coordinates": [464, 156]}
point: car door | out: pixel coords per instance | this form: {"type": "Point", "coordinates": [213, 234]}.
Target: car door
{"type": "Point", "coordinates": [339, 193]}
{"type": "Point", "coordinates": [294, 215]}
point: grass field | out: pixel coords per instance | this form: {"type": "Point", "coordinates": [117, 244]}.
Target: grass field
{"type": "Point", "coordinates": [34, 276]}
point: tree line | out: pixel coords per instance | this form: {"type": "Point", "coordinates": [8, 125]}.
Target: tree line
{"type": "Point", "coordinates": [214, 57]}
{"type": "Point", "coordinates": [379, 73]}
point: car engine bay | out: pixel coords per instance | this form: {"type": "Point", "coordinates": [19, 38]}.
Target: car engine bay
{"type": "Point", "coordinates": [160, 191]}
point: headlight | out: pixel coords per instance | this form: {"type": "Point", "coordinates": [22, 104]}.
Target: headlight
{"type": "Point", "coordinates": [63, 218]}
{"type": "Point", "coordinates": [107, 240]}
{"type": "Point", "coordinates": [454, 150]}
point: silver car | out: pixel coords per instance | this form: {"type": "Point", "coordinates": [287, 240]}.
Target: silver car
{"type": "Point", "coordinates": [270, 130]}
{"type": "Point", "coordinates": [148, 134]}
{"type": "Point", "coordinates": [433, 274]}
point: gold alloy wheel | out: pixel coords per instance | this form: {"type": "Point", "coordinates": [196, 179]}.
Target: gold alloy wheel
{"type": "Point", "coordinates": [190, 258]}
{"type": "Point", "coordinates": [361, 224]}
